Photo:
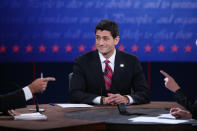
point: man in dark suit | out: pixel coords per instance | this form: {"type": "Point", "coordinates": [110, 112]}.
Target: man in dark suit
{"type": "Point", "coordinates": [189, 103]}
{"type": "Point", "coordinates": [18, 98]}
{"type": "Point", "coordinates": [108, 76]}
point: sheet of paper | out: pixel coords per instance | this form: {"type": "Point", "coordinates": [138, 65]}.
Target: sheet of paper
{"type": "Point", "coordinates": [31, 116]}
{"type": "Point", "coordinates": [157, 120]}
{"type": "Point", "coordinates": [73, 105]}
{"type": "Point", "coordinates": [169, 116]}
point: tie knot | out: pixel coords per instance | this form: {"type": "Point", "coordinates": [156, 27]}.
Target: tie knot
{"type": "Point", "coordinates": [107, 61]}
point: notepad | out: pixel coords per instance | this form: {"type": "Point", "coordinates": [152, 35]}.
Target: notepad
{"type": "Point", "coordinates": [168, 116]}
{"type": "Point", "coordinates": [31, 116]}
{"type": "Point", "coordinates": [157, 120]}
{"type": "Point", "coordinates": [73, 105]}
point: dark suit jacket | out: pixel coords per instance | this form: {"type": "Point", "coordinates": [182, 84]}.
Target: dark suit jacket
{"type": "Point", "coordinates": [12, 100]}
{"type": "Point", "coordinates": [88, 81]}
{"type": "Point", "coordinates": [189, 103]}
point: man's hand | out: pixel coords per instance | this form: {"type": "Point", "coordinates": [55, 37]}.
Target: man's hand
{"type": "Point", "coordinates": [180, 114]}
{"type": "Point", "coordinates": [170, 83]}
{"type": "Point", "coordinates": [13, 113]}
{"type": "Point", "coordinates": [114, 99]}
{"type": "Point", "coordinates": [40, 84]}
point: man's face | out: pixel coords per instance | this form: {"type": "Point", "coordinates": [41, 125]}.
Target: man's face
{"type": "Point", "coordinates": [105, 43]}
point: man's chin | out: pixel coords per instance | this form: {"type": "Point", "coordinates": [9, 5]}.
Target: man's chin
{"type": "Point", "coordinates": [103, 52]}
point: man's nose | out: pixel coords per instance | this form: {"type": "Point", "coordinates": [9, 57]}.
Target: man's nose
{"type": "Point", "coordinates": [101, 42]}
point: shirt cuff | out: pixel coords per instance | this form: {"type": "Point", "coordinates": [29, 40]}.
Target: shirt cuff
{"type": "Point", "coordinates": [131, 101]}
{"type": "Point", "coordinates": [97, 100]}
{"type": "Point", "coordinates": [27, 92]}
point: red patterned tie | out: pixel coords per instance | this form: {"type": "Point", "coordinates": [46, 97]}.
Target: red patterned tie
{"type": "Point", "coordinates": [107, 75]}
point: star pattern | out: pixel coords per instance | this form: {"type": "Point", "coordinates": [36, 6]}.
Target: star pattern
{"type": "Point", "coordinates": [42, 48]}
{"type": "Point", "coordinates": [2, 49]}
{"type": "Point", "coordinates": [29, 48]}
{"type": "Point", "coordinates": [134, 48]}
{"type": "Point", "coordinates": [148, 48]}
{"type": "Point", "coordinates": [93, 47]}
{"type": "Point", "coordinates": [81, 48]}
{"type": "Point", "coordinates": [121, 48]}
{"type": "Point", "coordinates": [55, 48]}
{"type": "Point", "coordinates": [15, 48]}
{"type": "Point", "coordinates": [174, 48]}
{"type": "Point", "coordinates": [68, 48]}
{"type": "Point", "coordinates": [161, 48]}
{"type": "Point", "coordinates": [188, 48]}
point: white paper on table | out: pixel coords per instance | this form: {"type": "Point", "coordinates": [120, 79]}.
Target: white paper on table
{"type": "Point", "coordinates": [169, 116]}
{"type": "Point", "coordinates": [31, 116]}
{"type": "Point", "coordinates": [156, 120]}
{"type": "Point", "coordinates": [74, 105]}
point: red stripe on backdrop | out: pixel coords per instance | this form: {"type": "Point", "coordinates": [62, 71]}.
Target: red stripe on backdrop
{"type": "Point", "coordinates": [149, 75]}
{"type": "Point", "coordinates": [34, 77]}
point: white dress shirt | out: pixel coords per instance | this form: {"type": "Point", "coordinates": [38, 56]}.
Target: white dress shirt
{"type": "Point", "coordinates": [111, 64]}
{"type": "Point", "coordinates": [27, 92]}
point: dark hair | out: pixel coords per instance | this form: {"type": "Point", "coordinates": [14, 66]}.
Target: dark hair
{"type": "Point", "coordinates": [109, 26]}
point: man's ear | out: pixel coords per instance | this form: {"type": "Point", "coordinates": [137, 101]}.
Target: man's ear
{"type": "Point", "coordinates": [116, 40]}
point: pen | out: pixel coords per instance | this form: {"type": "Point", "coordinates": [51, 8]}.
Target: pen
{"type": "Point", "coordinates": [41, 75]}
{"type": "Point", "coordinates": [128, 104]}
{"type": "Point", "coordinates": [51, 104]}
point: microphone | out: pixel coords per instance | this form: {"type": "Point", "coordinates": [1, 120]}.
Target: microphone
{"type": "Point", "coordinates": [36, 96]}
{"type": "Point", "coordinates": [37, 106]}
{"type": "Point", "coordinates": [123, 111]}
{"type": "Point", "coordinates": [36, 99]}
{"type": "Point", "coordinates": [101, 89]}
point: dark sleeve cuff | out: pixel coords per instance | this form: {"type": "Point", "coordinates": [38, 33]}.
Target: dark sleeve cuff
{"type": "Point", "coordinates": [179, 94]}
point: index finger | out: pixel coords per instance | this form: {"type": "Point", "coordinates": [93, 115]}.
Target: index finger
{"type": "Point", "coordinates": [49, 79]}
{"type": "Point", "coordinates": [164, 73]}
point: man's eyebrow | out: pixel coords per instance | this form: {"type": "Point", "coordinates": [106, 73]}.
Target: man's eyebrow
{"type": "Point", "coordinates": [103, 36]}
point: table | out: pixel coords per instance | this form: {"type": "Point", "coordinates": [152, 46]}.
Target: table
{"type": "Point", "coordinates": [58, 121]}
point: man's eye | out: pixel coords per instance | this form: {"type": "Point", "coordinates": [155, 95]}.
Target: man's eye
{"type": "Point", "coordinates": [106, 39]}
{"type": "Point", "coordinates": [98, 38]}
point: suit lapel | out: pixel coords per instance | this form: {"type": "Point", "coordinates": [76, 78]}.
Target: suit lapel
{"type": "Point", "coordinates": [116, 69]}
{"type": "Point", "coordinates": [98, 69]}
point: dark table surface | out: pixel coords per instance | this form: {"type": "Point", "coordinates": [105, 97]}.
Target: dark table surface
{"type": "Point", "coordinates": [61, 118]}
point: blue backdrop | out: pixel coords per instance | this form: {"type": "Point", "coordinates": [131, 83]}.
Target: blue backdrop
{"type": "Point", "coordinates": [61, 30]}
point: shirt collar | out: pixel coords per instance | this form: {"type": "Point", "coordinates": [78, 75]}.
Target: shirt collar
{"type": "Point", "coordinates": [111, 59]}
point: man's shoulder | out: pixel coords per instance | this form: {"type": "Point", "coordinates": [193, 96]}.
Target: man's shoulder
{"type": "Point", "coordinates": [87, 56]}
{"type": "Point", "coordinates": [126, 55]}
